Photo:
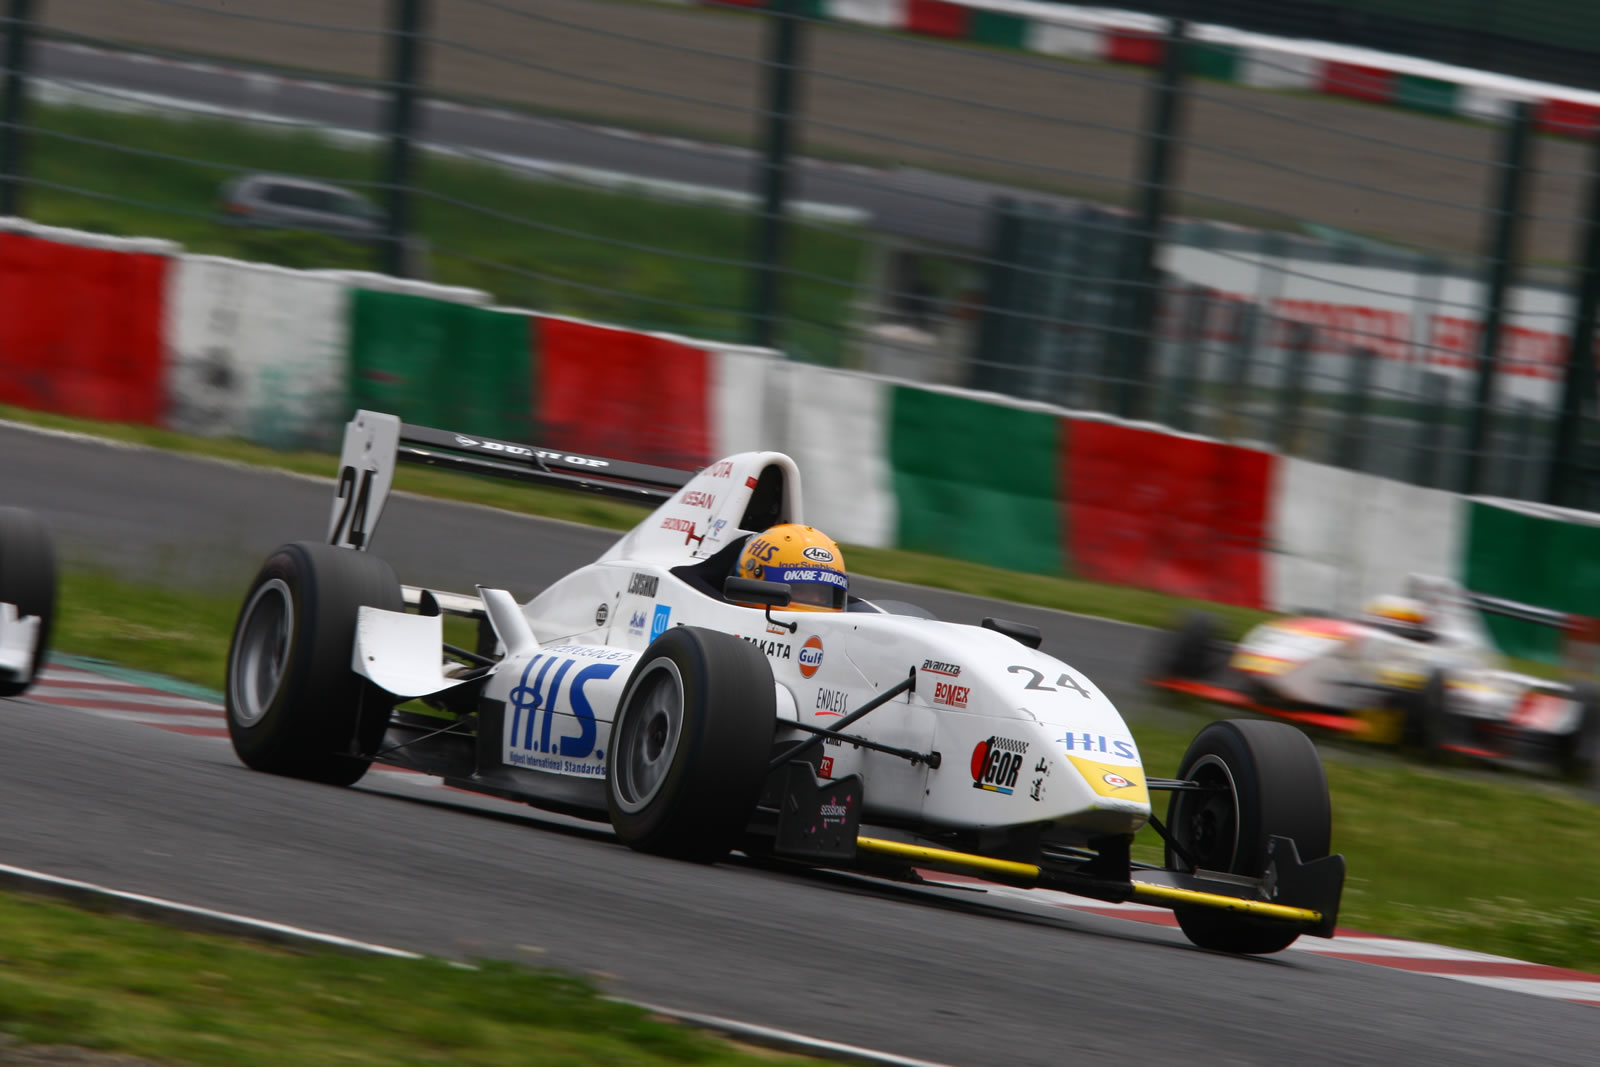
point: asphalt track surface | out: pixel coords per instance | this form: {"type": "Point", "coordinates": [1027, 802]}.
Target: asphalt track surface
{"type": "Point", "coordinates": [1018, 118]}
{"type": "Point", "coordinates": [937, 974]}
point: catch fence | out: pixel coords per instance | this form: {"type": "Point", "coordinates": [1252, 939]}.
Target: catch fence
{"type": "Point", "coordinates": [1345, 257]}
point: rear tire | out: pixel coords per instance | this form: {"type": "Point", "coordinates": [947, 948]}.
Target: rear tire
{"type": "Point", "coordinates": [294, 705]}
{"type": "Point", "coordinates": [28, 580]}
{"type": "Point", "coordinates": [1270, 784]}
{"type": "Point", "coordinates": [690, 745]}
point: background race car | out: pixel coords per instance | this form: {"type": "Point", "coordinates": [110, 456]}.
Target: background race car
{"type": "Point", "coordinates": [1419, 670]}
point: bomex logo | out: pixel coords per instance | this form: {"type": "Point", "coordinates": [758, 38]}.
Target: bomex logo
{"type": "Point", "coordinates": [528, 734]}
{"type": "Point", "coordinates": [1094, 744]}
{"type": "Point", "coordinates": [658, 625]}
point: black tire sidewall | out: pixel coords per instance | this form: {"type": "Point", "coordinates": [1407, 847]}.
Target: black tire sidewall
{"type": "Point", "coordinates": [28, 580]}
{"type": "Point", "coordinates": [704, 803]}
{"type": "Point", "coordinates": [321, 707]}
{"type": "Point", "coordinates": [1281, 790]}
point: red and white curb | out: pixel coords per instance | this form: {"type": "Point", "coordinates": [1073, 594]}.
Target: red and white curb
{"type": "Point", "coordinates": [96, 694]}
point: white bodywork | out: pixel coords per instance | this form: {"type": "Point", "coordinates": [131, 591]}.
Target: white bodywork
{"type": "Point", "coordinates": [1023, 738]}
{"type": "Point", "coordinates": [1348, 665]}
{"type": "Point", "coordinates": [19, 638]}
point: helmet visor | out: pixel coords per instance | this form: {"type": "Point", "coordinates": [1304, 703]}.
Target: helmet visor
{"type": "Point", "coordinates": [817, 587]}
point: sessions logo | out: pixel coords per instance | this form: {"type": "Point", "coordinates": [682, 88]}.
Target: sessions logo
{"type": "Point", "coordinates": [995, 764]}
{"type": "Point", "coordinates": [810, 656]}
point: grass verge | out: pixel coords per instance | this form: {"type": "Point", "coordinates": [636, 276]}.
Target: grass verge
{"type": "Point", "coordinates": [616, 257]}
{"type": "Point", "coordinates": [73, 977]}
{"type": "Point", "coordinates": [1474, 861]}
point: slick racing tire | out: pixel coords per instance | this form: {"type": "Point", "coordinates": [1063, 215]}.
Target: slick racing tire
{"type": "Point", "coordinates": [690, 744]}
{"type": "Point", "coordinates": [1580, 753]}
{"type": "Point", "coordinates": [27, 580]}
{"type": "Point", "coordinates": [294, 705]}
{"type": "Point", "coordinates": [1194, 649]}
{"type": "Point", "coordinates": [1267, 781]}
{"type": "Point", "coordinates": [1427, 721]}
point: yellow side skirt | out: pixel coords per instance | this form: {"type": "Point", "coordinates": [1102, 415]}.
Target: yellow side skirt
{"type": "Point", "coordinates": [1010, 870]}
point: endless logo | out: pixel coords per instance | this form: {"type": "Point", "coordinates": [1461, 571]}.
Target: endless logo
{"type": "Point", "coordinates": [995, 764]}
{"type": "Point", "coordinates": [810, 656]}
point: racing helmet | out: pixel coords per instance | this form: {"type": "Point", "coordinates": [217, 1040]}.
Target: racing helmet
{"type": "Point", "coordinates": [1401, 614]}
{"type": "Point", "coordinates": [804, 557]}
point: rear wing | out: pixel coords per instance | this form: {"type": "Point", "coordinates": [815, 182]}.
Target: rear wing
{"type": "Point", "coordinates": [374, 443]}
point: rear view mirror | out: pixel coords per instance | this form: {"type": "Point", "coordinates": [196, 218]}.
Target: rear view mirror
{"type": "Point", "coordinates": [752, 591]}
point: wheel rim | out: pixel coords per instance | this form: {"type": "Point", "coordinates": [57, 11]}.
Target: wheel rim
{"type": "Point", "coordinates": [1207, 823]}
{"type": "Point", "coordinates": [651, 729]}
{"type": "Point", "coordinates": [261, 652]}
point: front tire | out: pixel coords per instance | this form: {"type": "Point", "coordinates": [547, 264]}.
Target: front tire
{"type": "Point", "coordinates": [690, 744]}
{"type": "Point", "coordinates": [1268, 782]}
{"type": "Point", "coordinates": [1193, 650]}
{"type": "Point", "coordinates": [27, 580]}
{"type": "Point", "coordinates": [294, 705]}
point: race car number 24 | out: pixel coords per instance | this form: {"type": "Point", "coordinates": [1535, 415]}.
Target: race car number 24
{"type": "Point", "coordinates": [1066, 681]}
{"type": "Point", "coordinates": [354, 513]}
{"type": "Point", "coordinates": [545, 694]}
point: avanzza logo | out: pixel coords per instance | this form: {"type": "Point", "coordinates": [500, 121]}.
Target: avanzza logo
{"type": "Point", "coordinates": [773, 649]}
{"type": "Point", "coordinates": [933, 666]}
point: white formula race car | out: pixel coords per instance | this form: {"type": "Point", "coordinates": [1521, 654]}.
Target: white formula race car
{"type": "Point", "coordinates": [655, 689]}
{"type": "Point", "coordinates": [27, 599]}
{"type": "Point", "coordinates": [1436, 683]}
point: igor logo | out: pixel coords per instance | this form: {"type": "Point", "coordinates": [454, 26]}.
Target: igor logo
{"type": "Point", "coordinates": [810, 656]}
{"type": "Point", "coordinates": [995, 764]}
{"type": "Point", "coordinates": [817, 554]}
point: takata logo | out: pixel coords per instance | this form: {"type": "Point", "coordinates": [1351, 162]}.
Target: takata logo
{"type": "Point", "coordinates": [933, 666]}
{"type": "Point", "coordinates": [954, 696]}
{"type": "Point", "coordinates": [810, 656]}
{"type": "Point", "coordinates": [995, 764]}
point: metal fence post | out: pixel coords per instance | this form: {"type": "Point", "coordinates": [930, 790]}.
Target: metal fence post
{"type": "Point", "coordinates": [14, 117]}
{"type": "Point", "coordinates": [1292, 387]}
{"type": "Point", "coordinates": [405, 47]}
{"type": "Point", "coordinates": [1502, 252]}
{"type": "Point", "coordinates": [1188, 372]}
{"type": "Point", "coordinates": [783, 58]}
{"type": "Point", "coordinates": [1577, 390]}
{"type": "Point", "coordinates": [1427, 455]}
{"type": "Point", "coordinates": [1352, 449]}
{"type": "Point", "coordinates": [1141, 276]}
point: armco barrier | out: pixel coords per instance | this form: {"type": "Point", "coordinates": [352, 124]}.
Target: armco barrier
{"type": "Point", "coordinates": [975, 478]}
{"type": "Point", "coordinates": [1183, 515]}
{"type": "Point", "coordinates": [440, 363]}
{"type": "Point", "coordinates": [256, 352]}
{"type": "Point", "coordinates": [614, 392]}
{"type": "Point", "coordinates": [81, 330]}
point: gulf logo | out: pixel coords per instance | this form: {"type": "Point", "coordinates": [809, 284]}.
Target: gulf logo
{"type": "Point", "coordinates": [810, 656]}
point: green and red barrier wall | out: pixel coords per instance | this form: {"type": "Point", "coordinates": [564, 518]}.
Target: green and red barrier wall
{"type": "Point", "coordinates": [137, 331]}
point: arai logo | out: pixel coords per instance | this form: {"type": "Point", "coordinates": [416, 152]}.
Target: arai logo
{"type": "Point", "coordinates": [817, 554]}
{"type": "Point", "coordinates": [810, 656]}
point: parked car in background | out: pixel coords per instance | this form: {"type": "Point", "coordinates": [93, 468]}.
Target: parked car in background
{"type": "Point", "coordinates": [297, 203]}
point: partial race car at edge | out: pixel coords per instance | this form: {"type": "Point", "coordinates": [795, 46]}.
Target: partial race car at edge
{"type": "Point", "coordinates": [709, 684]}
{"type": "Point", "coordinates": [27, 599]}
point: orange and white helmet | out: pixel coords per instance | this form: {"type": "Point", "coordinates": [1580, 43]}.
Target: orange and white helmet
{"type": "Point", "coordinates": [804, 557]}
{"type": "Point", "coordinates": [1398, 612]}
